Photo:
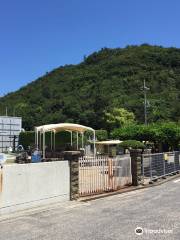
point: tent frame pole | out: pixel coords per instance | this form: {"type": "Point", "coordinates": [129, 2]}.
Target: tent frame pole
{"type": "Point", "coordinates": [82, 140]}
{"type": "Point", "coordinates": [40, 143]}
{"type": "Point", "coordinates": [35, 136]}
{"type": "Point", "coordinates": [44, 140]}
{"type": "Point", "coordinates": [51, 140]}
{"type": "Point", "coordinates": [77, 140]}
{"type": "Point", "coordinates": [37, 139]}
{"type": "Point", "coordinates": [71, 138]}
{"type": "Point", "coordinates": [94, 133]}
{"type": "Point", "coordinates": [54, 140]}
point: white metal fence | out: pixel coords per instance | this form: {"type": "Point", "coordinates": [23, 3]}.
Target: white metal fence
{"type": "Point", "coordinates": [103, 174]}
{"type": "Point", "coordinates": [159, 165]}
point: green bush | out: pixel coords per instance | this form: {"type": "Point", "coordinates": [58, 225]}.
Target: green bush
{"type": "Point", "coordinates": [27, 139]}
{"type": "Point", "coordinates": [132, 144]}
{"type": "Point", "coordinates": [101, 135]}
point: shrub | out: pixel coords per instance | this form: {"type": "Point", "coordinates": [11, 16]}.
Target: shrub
{"type": "Point", "coordinates": [27, 139]}
{"type": "Point", "coordinates": [101, 135]}
{"type": "Point", "coordinates": [132, 144]}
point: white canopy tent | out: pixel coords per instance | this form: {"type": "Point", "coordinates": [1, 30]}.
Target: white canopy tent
{"type": "Point", "coordinates": [54, 128]}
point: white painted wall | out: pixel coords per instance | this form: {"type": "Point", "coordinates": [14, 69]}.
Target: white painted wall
{"type": "Point", "coordinates": [34, 183]}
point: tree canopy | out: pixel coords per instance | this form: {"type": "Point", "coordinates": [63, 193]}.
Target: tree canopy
{"type": "Point", "coordinates": [118, 117]}
{"type": "Point", "coordinates": [165, 136]}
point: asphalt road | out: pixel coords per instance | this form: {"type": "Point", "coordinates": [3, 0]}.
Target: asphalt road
{"type": "Point", "coordinates": [156, 210]}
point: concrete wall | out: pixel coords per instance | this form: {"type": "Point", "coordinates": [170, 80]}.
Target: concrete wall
{"type": "Point", "coordinates": [26, 185]}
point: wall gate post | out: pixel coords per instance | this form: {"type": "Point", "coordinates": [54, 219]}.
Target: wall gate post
{"type": "Point", "coordinates": [136, 156]}
{"type": "Point", "coordinates": [73, 158]}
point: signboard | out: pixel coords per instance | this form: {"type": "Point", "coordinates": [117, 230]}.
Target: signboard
{"type": "Point", "coordinates": [170, 157]}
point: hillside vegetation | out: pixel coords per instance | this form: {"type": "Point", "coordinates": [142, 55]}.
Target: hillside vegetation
{"type": "Point", "coordinates": [110, 78]}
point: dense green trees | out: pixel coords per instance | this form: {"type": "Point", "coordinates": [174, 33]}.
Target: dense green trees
{"type": "Point", "coordinates": [164, 136]}
{"type": "Point", "coordinates": [118, 117]}
{"type": "Point", "coordinates": [110, 78]}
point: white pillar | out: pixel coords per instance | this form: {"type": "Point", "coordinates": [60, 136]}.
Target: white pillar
{"type": "Point", "coordinates": [40, 144]}
{"type": "Point", "coordinates": [77, 140]}
{"type": "Point", "coordinates": [44, 141]}
{"type": "Point", "coordinates": [54, 140]}
{"type": "Point", "coordinates": [71, 138]}
{"type": "Point", "coordinates": [37, 139]}
{"type": "Point", "coordinates": [82, 140]}
{"type": "Point", "coordinates": [94, 144]}
{"type": "Point", "coordinates": [51, 140]}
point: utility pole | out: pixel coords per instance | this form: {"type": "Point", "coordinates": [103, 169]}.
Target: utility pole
{"type": "Point", "coordinates": [145, 89]}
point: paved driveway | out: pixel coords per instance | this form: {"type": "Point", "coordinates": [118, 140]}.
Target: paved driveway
{"type": "Point", "coordinates": [155, 209]}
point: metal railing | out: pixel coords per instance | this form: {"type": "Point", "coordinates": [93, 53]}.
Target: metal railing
{"type": "Point", "coordinates": [103, 174]}
{"type": "Point", "coordinates": [158, 165]}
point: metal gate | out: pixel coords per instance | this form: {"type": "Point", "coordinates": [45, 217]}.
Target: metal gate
{"type": "Point", "coordinates": [103, 174]}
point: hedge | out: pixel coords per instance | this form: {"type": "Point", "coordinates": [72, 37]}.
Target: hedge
{"type": "Point", "coordinates": [132, 144]}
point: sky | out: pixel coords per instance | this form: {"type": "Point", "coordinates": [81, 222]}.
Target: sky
{"type": "Point", "coordinates": [37, 36]}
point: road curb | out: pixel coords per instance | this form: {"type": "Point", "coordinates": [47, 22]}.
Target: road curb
{"type": "Point", "coordinates": [128, 189]}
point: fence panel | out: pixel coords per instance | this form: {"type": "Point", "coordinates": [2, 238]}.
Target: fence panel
{"type": "Point", "coordinates": [159, 165]}
{"type": "Point", "coordinates": [103, 174]}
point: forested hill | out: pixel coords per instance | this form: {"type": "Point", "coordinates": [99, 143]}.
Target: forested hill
{"type": "Point", "coordinates": [105, 79]}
